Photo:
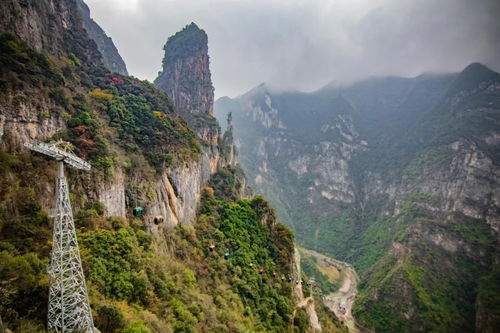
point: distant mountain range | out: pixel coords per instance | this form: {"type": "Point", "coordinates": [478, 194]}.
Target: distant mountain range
{"type": "Point", "coordinates": [401, 177]}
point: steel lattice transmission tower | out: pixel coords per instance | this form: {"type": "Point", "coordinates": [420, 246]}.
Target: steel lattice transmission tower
{"type": "Point", "coordinates": [69, 308]}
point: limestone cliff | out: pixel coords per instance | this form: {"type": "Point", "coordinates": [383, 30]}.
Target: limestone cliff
{"type": "Point", "coordinates": [47, 26]}
{"type": "Point", "coordinates": [51, 109]}
{"type": "Point", "coordinates": [110, 56]}
{"type": "Point", "coordinates": [186, 78]}
{"type": "Point", "coordinates": [52, 26]}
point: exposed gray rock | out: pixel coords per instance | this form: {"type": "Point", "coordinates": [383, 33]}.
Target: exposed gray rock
{"type": "Point", "coordinates": [110, 56]}
{"type": "Point", "coordinates": [185, 75]}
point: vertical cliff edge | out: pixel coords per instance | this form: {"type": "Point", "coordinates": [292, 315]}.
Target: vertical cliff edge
{"type": "Point", "coordinates": [186, 78]}
{"type": "Point", "coordinates": [110, 56]}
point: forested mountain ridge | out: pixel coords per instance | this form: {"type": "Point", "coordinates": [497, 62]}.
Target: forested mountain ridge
{"type": "Point", "coordinates": [399, 177]}
{"type": "Point", "coordinates": [166, 271]}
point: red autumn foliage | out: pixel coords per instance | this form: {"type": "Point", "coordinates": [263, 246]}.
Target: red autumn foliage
{"type": "Point", "coordinates": [117, 80]}
{"type": "Point", "coordinates": [83, 131]}
{"type": "Point", "coordinates": [86, 145]}
{"type": "Point", "coordinates": [205, 272]}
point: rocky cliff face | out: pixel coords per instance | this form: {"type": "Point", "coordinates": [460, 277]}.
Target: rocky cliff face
{"type": "Point", "coordinates": [64, 27]}
{"type": "Point", "coordinates": [27, 111]}
{"type": "Point", "coordinates": [110, 56]}
{"type": "Point", "coordinates": [47, 26]}
{"type": "Point", "coordinates": [178, 193]}
{"type": "Point", "coordinates": [22, 121]}
{"type": "Point", "coordinates": [185, 75]}
{"type": "Point", "coordinates": [399, 177]}
{"type": "Point", "coordinates": [51, 26]}
{"type": "Point", "coordinates": [286, 149]}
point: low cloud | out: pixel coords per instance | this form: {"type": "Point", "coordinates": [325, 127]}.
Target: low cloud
{"type": "Point", "coordinates": [304, 44]}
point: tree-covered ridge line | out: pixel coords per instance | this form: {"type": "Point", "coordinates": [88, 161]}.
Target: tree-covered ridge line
{"type": "Point", "coordinates": [103, 111]}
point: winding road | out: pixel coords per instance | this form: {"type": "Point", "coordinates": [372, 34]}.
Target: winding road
{"type": "Point", "coordinates": [342, 300]}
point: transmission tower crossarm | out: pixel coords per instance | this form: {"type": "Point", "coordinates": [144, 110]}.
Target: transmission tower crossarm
{"type": "Point", "coordinates": [51, 149]}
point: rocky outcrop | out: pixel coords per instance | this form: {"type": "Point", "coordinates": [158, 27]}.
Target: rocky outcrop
{"type": "Point", "coordinates": [178, 192]}
{"type": "Point", "coordinates": [25, 118]}
{"type": "Point", "coordinates": [110, 56]}
{"type": "Point", "coordinates": [53, 26]}
{"type": "Point", "coordinates": [185, 75]}
{"type": "Point", "coordinates": [186, 78]}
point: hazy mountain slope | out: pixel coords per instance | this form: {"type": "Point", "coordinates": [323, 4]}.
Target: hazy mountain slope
{"type": "Point", "coordinates": [151, 274]}
{"type": "Point", "coordinates": [398, 176]}
{"type": "Point", "coordinates": [110, 56]}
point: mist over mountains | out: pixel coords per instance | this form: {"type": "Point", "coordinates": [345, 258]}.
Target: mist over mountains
{"type": "Point", "coordinates": [398, 176]}
{"type": "Point", "coordinates": [304, 44]}
{"type": "Point", "coordinates": [383, 186]}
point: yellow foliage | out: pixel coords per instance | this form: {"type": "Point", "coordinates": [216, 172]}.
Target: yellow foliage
{"type": "Point", "coordinates": [209, 191]}
{"type": "Point", "coordinates": [101, 95]}
{"type": "Point", "coordinates": [129, 311]}
{"type": "Point", "coordinates": [65, 61]}
{"type": "Point", "coordinates": [158, 114]}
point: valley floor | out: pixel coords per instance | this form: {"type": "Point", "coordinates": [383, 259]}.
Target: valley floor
{"type": "Point", "coordinates": [342, 300]}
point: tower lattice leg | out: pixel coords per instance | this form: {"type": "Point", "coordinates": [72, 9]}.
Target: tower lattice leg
{"type": "Point", "coordinates": [69, 308]}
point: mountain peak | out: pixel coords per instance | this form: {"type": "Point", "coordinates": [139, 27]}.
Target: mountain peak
{"type": "Point", "coordinates": [261, 89]}
{"type": "Point", "coordinates": [472, 75]}
{"type": "Point", "coordinates": [189, 41]}
{"type": "Point", "coordinates": [185, 75]}
{"type": "Point", "coordinates": [192, 25]}
{"type": "Point", "coordinates": [476, 67]}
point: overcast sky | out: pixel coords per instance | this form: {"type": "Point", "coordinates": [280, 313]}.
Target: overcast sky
{"type": "Point", "coordinates": [304, 44]}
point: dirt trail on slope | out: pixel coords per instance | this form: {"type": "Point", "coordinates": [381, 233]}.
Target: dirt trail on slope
{"type": "Point", "coordinates": [308, 302]}
{"type": "Point", "coordinates": [342, 300]}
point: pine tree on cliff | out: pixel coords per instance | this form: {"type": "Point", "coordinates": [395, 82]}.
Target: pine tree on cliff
{"type": "Point", "coordinates": [185, 76]}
